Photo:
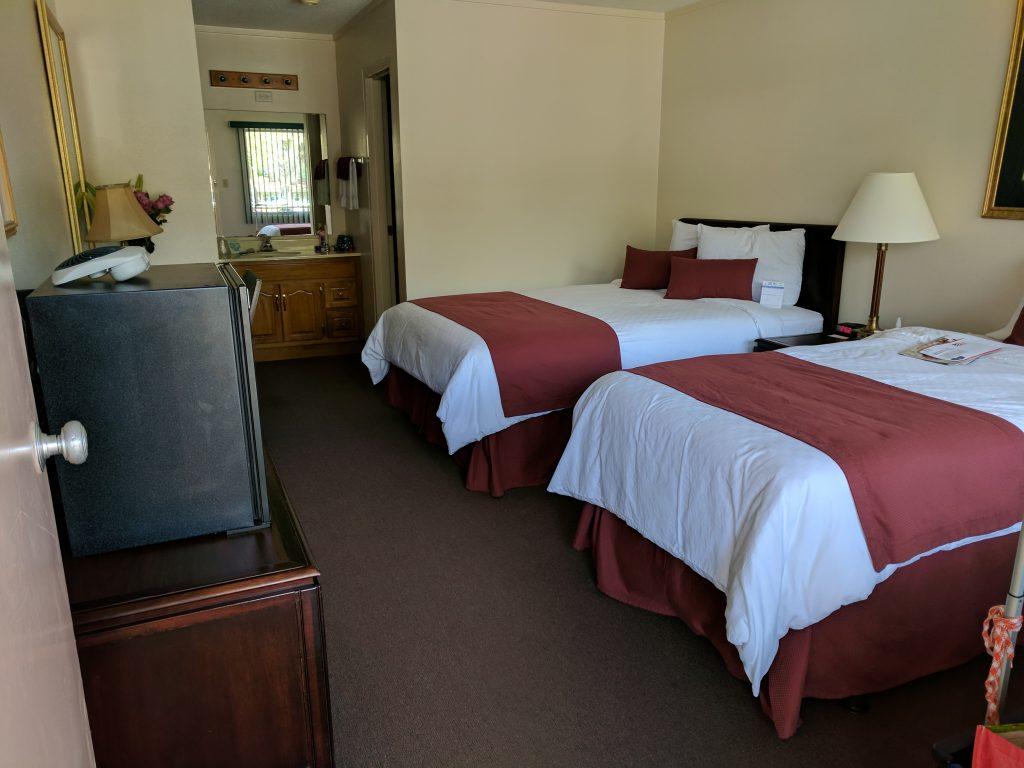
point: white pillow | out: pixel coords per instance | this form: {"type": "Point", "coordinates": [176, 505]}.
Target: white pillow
{"type": "Point", "coordinates": [684, 236]}
{"type": "Point", "coordinates": [780, 256]}
{"type": "Point", "coordinates": [724, 242]}
{"type": "Point", "coordinates": [1006, 330]}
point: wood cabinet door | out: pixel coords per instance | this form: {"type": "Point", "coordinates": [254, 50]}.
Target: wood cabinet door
{"type": "Point", "coordinates": [303, 310]}
{"type": "Point", "coordinates": [266, 323]}
{"type": "Point", "coordinates": [233, 685]}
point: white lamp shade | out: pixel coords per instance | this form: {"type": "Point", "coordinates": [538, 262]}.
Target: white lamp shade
{"type": "Point", "coordinates": [888, 208]}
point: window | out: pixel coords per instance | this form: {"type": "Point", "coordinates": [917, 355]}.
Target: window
{"type": "Point", "coordinates": [275, 171]}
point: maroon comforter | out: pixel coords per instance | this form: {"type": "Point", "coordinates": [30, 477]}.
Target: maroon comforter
{"type": "Point", "coordinates": [923, 472]}
{"type": "Point", "coordinates": [544, 355]}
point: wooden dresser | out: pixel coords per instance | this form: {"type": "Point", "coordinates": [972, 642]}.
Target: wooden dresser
{"type": "Point", "coordinates": [309, 306]}
{"type": "Point", "coordinates": [205, 652]}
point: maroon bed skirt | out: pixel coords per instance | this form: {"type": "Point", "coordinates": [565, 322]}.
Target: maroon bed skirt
{"type": "Point", "coordinates": [925, 618]}
{"type": "Point", "coordinates": [522, 455]}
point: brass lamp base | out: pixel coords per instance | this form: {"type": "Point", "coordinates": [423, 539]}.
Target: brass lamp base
{"type": "Point", "coordinates": [876, 289]}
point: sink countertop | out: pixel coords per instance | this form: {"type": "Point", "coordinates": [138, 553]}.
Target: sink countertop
{"type": "Point", "coordinates": [285, 256]}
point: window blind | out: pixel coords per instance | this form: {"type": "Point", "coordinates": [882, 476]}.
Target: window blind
{"type": "Point", "coordinates": [275, 168]}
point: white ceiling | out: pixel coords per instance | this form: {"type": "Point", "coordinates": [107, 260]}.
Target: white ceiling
{"type": "Point", "coordinates": [330, 15]}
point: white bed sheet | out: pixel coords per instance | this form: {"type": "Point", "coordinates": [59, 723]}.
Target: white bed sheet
{"type": "Point", "coordinates": [455, 362]}
{"type": "Point", "coordinates": [766, 518]}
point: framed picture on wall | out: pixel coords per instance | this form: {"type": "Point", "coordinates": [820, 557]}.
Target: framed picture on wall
{"type": "Point", "coordinates": [1004, 195]}
{"type": "Point", "coordinates": [7, 194]}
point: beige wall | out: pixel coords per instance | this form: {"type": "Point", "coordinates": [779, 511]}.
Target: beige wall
{"type": "Point", "coordinates": [776, 110]}
{"type": "Point", "coordinates": [136, 80]}
{"type": "Point", "coordinates": [310, 56]}
{"type": "Point", "coordinates": [366, 43]}
{"type": "Point", "coordinates": [529, 141]}
{"type": "Point", "coordinates": [44, 236]}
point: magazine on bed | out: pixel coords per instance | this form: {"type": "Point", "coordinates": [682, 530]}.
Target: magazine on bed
{"type": "Point", "coordinates": [953, 350]}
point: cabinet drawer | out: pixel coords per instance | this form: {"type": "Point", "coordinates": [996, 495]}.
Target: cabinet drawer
{"type": "Point", "coordinates": [342, 324]}
{"type": "Point", "coordinates": [327, 268]}
{"type": "Point", "coordinates": [340, 293]}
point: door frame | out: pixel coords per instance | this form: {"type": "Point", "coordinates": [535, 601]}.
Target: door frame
{"type": "Point", "coordinates": [382, 267]}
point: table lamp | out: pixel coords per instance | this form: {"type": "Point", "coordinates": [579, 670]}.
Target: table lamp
{"type": "Point", "coordinates": [888, 208]}
{"type": "Point", "coordinates": [118, 217]}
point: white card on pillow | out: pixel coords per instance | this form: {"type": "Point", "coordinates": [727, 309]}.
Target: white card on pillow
{"type": "Point", "coordinates": [772, 292]}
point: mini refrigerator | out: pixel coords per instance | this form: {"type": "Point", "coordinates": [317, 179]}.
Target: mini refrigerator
{"type": "Point", "coordinates": [159, 370]}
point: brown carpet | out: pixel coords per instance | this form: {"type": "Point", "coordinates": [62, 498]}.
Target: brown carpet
{"type": "Point", "coordinates": [464, 630]}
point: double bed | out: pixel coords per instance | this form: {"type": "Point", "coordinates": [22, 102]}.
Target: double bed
{"type": "Point", "coordinates": [442, 374]}
{"type": "Point", "coordinates": [758, 539]}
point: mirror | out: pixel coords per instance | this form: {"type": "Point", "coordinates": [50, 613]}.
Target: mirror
{"type": "Point", "coordinates": [268, 169]}
{"type": "Point", "coordinates": [7, 212]}
{"type": "Point", "coordinates": [65, 119]}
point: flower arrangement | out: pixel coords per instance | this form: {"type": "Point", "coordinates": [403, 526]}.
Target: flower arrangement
{"type": "Point", "coordinates": [156, 207]}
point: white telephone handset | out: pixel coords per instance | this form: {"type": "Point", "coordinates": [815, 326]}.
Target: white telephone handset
{"type": "Point", "coordinates": [122, 262]}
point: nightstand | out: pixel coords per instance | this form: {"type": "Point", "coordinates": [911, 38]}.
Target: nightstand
{"type": "Point", "coordinates": [803, 340]}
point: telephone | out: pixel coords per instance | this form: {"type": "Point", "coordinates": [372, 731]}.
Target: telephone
{"type": "Point", "coordinates": [123, 262]}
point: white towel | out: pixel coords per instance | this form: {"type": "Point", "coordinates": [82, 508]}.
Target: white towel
{"type": "Point", "coordinates": [348, 189]}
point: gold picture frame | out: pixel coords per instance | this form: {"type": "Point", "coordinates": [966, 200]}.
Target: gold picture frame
{"type": "Point", "coordinates": [1004, 193]}
{"type": "Point", "coordinates": [10, 215]}
{"type": "Point", "coordinates": [65, 118]}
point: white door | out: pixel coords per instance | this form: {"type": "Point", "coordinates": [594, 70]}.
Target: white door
{"type": "Point", "coordinates": [42, 709]}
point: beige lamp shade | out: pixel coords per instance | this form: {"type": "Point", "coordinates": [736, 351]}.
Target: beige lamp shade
{"type": "Point", "coordinates": [118, 216]}
{"type": "Point", "coordinates": [888, 208]}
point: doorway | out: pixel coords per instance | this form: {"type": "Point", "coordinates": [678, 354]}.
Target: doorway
{"type": "Point", "coordinates": [382, 129]}
{"type": "Point", "coordinates": [389, 177]}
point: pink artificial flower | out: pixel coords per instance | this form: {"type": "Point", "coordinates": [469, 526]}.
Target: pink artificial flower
{"type": "Point", "coordinates": [144, 201]}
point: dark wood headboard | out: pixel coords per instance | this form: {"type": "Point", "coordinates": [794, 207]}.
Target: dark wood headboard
{"type": "Point", "coordinates": [823, 265]}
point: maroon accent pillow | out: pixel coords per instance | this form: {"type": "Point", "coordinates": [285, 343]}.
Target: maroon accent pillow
{"type": "Point", "coordinates": [650, 269]}
{"type": "Point", "coordinates": [1017, 336]}
{"type": "Point", "coordinates": [711, 279]}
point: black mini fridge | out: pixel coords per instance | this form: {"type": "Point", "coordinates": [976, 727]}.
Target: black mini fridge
{"type": "Point", "coordinates": [159, 370]}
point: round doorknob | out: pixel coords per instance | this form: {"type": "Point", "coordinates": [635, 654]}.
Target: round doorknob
{"type": "Point", "coordinates": [72, 443]}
